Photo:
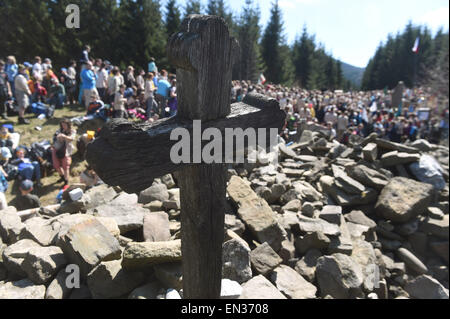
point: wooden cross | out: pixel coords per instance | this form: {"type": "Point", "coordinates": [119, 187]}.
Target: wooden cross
{"type": "Point", "coordinates": [131, 155]}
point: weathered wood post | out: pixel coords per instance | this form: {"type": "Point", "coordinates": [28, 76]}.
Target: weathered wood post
{"type": "Point", "coordinates": [203, 55]}
{"type": "Point", "coordinates": [131, 155]}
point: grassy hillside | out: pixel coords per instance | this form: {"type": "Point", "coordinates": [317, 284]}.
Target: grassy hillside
{"type": "Point", "coordinates": [29, 135]}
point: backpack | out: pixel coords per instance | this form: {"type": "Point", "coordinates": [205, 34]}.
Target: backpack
{"type": "Point", "coordinates": [12, 171]}
{"type": "Point", "coordinates": [41, 151]}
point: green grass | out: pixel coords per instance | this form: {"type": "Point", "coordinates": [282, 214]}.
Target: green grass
{"type": "Point", "coordinates": [29, 135]}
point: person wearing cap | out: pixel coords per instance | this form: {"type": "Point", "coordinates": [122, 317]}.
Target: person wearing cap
{"type": "Point", "coordinates": [26, 200]}
{"type": "Point", "coordinates": [22, 93]}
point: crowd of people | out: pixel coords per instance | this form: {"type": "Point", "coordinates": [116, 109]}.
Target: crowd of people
{"type": "Point", "coordinates": [102, 88]}
{"type": "Point", "coordinates": [419, 115]}
{"type": "Point", "coordinates": [106, 91]}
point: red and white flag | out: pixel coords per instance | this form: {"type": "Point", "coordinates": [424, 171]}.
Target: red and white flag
{"type": "Point", "coordinates": [415, 49]}
{"type": "Point", "coordinates": [262, 79]}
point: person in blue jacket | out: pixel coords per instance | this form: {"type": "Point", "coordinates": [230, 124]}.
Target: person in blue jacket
{"type": "Point", "coordinates": [89, 80]}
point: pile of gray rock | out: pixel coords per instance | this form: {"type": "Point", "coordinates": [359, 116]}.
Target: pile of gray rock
{"type": "Point", "coordinates": [369, 220]}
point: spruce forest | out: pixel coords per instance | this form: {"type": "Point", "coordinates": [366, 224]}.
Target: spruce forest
{"type": "Point", "coordinates": [130, 32]}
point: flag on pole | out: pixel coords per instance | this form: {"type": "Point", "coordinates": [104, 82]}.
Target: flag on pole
{"type": "Point", "coordinates": [415, 49]}
{"type": "Point", "coordinates": [262, 79]}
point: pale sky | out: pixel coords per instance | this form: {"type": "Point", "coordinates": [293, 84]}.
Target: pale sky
{"type": "Point", "coordinates": [351, 30]}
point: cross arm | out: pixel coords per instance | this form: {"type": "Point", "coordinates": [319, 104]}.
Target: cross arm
{"type": "Point", "coordinates": [131, 155]}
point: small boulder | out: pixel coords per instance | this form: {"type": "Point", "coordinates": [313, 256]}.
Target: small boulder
{"type": "Point", "coordinates": [426, 287]}
{"type": "Point", "coordinates": [236, 261]}
{"type": "Point", "coordinates": [292, 284]}
{"type": "Point", "coordinates": [339, 276]}
{"type": "Point", "coordinates": [155, 192]}
{"type": "Point", "coordinates": [260, 288]}
{"type": "Point", "coordinates": [109, 280]}
{"type": "Point", "coordinates": [264, 259]}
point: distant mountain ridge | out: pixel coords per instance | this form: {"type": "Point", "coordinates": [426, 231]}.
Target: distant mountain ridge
{"type": "Point", "coordinates": [352, 73]}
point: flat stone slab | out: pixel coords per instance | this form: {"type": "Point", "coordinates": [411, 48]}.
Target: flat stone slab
{"type": "Point", "coordinates": [339, 276]}
{"type": "Point", "coordinates": [311, 225]}
{"type": "Point", "coordinates": [42, 263]}
{"type": "Point", "coordinates": [292, 284]}
{"type": "Point", "coordinates": [23, 289]}
{"type": "Point", "coordinates": [436, 227]}
{"type": "Point", "coordinates": [256, 213]}
{"type": "Point", "coordinates": [143, 255]}
{"type": "Point", "coordinates": [426, 287]}
{"type": "Point", "coordinates": [88, 243]}
{"type": "Point", "coordinates": [40, 230]}
{"type": "Point", "coordinates": [99, 195]}
{"type": "Point", "coordinates": [367, 176]}
{"type": "Point", "coordinates": [109, 280]}
{"type": "Point", "coordinates": [156, 227]}
{"type": "Point", "coordinates": [260, 288]}
{"type": "Point", "coordinates": [11, 226]}
{"type": "Point", "coordinates": [358, 217]}
{"type": "Point", "coordinates": [412, 261]}
{"type": "Point", "coordinates": [127, 217]}
{"type": "Point", "coordinates": [14, 255]}
{"type": "Point", "coordinates": [403, 199]}
{"type": "Point", "coordinates": [155, 192]}
{"type": "Point", "coordinates": [396, 158]}
{"type": "Point", "coordinates": [264, 259]}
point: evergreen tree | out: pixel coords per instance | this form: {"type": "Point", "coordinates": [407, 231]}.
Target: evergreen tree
{"type": "Point", "coordinates": [318, 78]}
{"type": "Point", "coordinates": [219, 8]}
{"type": "Point", "coordinates": [142, 34]}
{"type": "Point", "coordinates": [28, 29]}
{"type": "Point", "coordinates": [271, 44]}
{"type": "Point", "coordinates": [212, 8]}
{"type": "Point", "coordinates": [249, 63]}
{"type": "Point", "coordinates": [173, 18]}
{"type": "Point", "coordinates": [192, 7]}
{"type": "Point", "coordinates": [303, 57]}
{"type": "Point", "coordinates": [394, 60]}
